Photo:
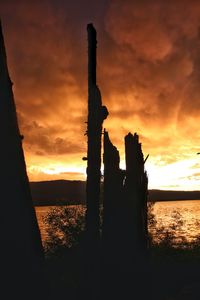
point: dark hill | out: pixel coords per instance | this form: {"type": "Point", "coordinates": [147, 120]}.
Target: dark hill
{"type": "Point", "coordinates": [66, 192]}
{"type": "Point", "coordinates": [161, 195]}
{"type": "Point", "coordinates": [58, 192]}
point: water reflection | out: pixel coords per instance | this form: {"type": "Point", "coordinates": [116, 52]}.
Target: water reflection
{"type": "Point", "coordinates": [180, 218]}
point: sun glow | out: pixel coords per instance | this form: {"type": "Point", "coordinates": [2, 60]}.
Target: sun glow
{"type": "Point", "coordinates": [175, 176]}
{"type": "Point", "coordinates": [180, 175]}
{"type": "Point", "coordinates": [56, 171]}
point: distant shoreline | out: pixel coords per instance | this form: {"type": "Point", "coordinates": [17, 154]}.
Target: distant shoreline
{"type": "Point", "coordinates": [171, 200]}
{"type": "Point", "coordinates": [72, 192]}
{"type": "Point", "coordinates": [67, 204]}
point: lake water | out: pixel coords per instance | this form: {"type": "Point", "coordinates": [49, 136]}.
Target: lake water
{"type": "Point", "coordinates": [185, 213]}
{"type": "Point", "coordinates": [41, 211]}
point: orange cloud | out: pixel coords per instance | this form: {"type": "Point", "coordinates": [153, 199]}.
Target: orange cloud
{"type": "Point", "coordinates": [148, 72]}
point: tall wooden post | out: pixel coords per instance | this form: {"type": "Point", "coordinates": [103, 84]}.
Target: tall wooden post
{"type": "Point", "coordinates": [96, 114]}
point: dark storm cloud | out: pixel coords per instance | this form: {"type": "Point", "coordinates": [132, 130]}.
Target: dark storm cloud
{"type": "Point", "coordinates": [148, 72]}
{"type": "Point", "coordinates": [43, 140]}
{"type": "Point", "coordinates": [47, 58]}
{"type": "Point", "coordinates": [157, 56]}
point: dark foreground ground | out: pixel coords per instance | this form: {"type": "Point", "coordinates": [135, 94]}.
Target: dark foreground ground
{"type": "Point", "coordinates": [81, 274]}
{"type": "Point", "coordinates": [169, 274]}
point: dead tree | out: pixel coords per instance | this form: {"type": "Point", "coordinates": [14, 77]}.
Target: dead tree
{"type": "Point", "coordinates": [135, 190]}
{"type": "Point", "coordinates": [96, 114]}
{"type": "Point", "coordinates": [124, 231]}
{"type": "Point", "coordinates": [112, 200]}
{"type": "Point", "coordinates": [21, 247]}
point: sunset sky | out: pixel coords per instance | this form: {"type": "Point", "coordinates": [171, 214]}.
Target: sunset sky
{"type": "Point", "coordinates": [148, 72]}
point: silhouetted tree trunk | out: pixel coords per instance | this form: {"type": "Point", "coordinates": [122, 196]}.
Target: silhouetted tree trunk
{"type": "Point", "coordinates": [136, 197]}
{"type": "Point", "coordinates": [125, 200]}
{"type": "Point", "coordinates": [96, 114]}
{"type": "Point", "coordinates": [21, 247]}
{"type": "Point", "coordinates": [112, 200]}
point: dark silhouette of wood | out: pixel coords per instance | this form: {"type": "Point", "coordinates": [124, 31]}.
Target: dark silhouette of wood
{"type": "Point", "coordinates": [135, 190]}
{"type": "Point", "coordinates": [112, 200]}
{"type": "Point", "coordinates": [21, 248]}
{"type": "Point", "coordinates": [124, 227]}
{"type": "Point", "coordinates": [96, 114]}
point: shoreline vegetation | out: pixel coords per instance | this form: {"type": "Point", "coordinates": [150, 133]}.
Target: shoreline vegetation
{"type": "Point", "coordinates": [65, 225]}
{"type": "Point", "coordinates": [173, 264]}
{"type": "Point", "coordinates": [72, 192]}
